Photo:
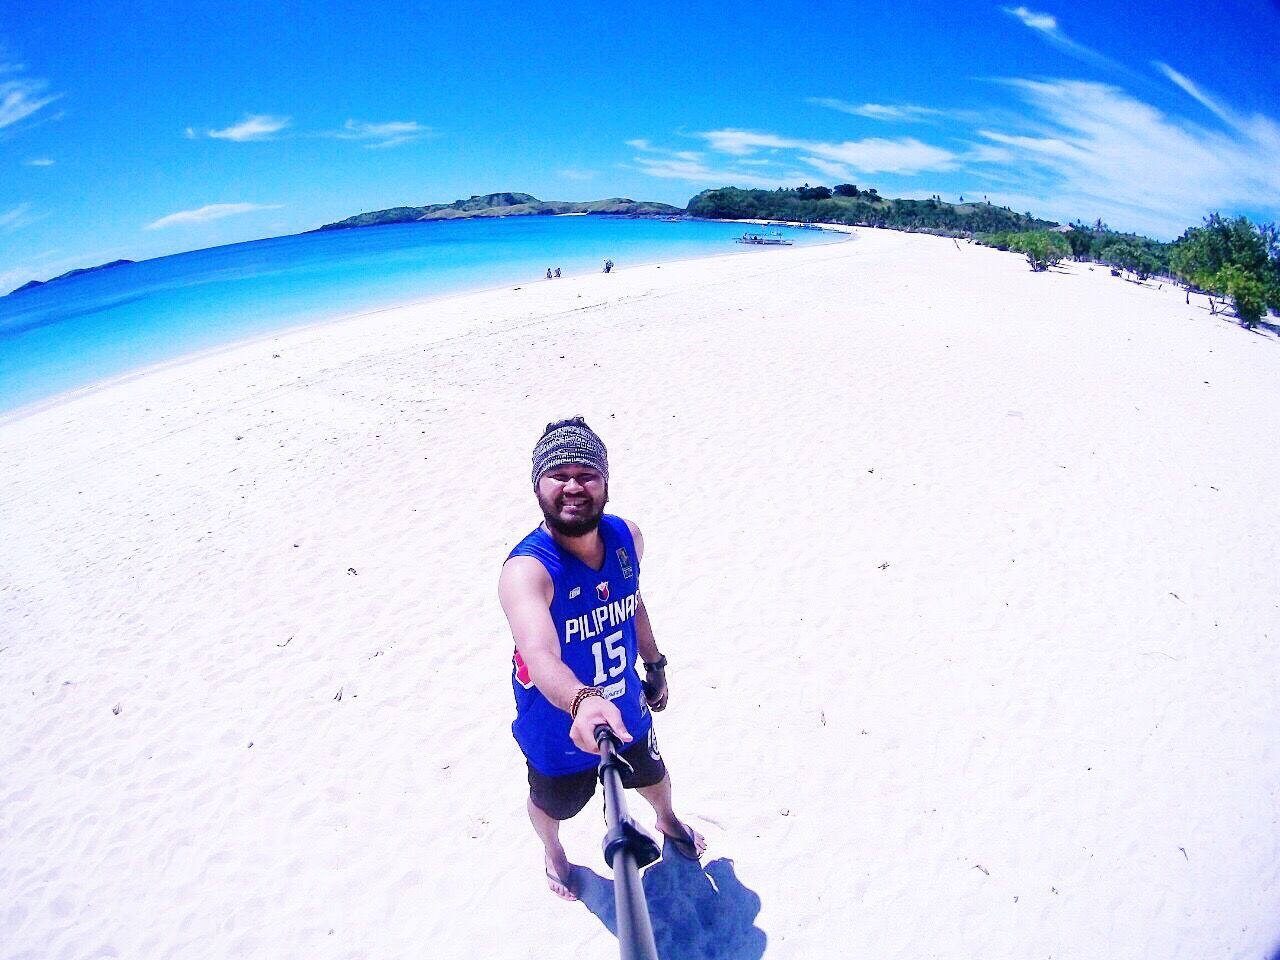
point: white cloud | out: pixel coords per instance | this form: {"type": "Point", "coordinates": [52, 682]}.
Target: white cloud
{"type": "Point", "coordinates": [1192, 90]}
{"type": "Point", "coordinates": [22, 97]}
{"type": "Point", "coordinates": [1098, 151]}
{"type": "Point", "coordinates": [908, 113]}
{"type": "Point", "coordinates": [213, 211]}
{"type": "Point", "coordinates": [388, 134]}
{"type": "Point", "coordinates": [572, 173]}
{"type": "Point", "coordinates": [743, 142]}
{"type": "Point", "coordinates": [16, 217]}
{"type": "Point", "coordinates": [372, 135]}
{"type": "Point", "coordinates": [1044, 22]}
{"type": "Point", "coordinates": [835, 170]}
{"type": "Point", "coordinates": [873, 155]}
{"type": "Point", "coordinates": [1072, 148]}
{"type": "Point", "coordinates": [1047, 26]}
{"type": "Point", "coordinates": [253, 127]}
{"type": "Point", "coordinates": [986, 153]}
{"type": "Point", "coordinates": [689, 166]}
{"type": "Point", "coordinates": [38, 162]}
{"type": "Point", "coordinates": [791, 160]}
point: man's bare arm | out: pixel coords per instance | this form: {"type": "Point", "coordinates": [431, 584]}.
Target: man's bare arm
{"type": "Point", "coordinates": [525, 592]}
{"type": "Point", "coordinates": [646, 645]}
{"type": "Point", "coordinates": [637, 537]}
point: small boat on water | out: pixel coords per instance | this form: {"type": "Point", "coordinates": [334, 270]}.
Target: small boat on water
{"type": "Point", "coordinates": [774, 239]}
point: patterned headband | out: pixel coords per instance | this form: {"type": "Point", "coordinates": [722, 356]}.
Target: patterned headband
{"type": "Point", "coordinates": [569, 441]}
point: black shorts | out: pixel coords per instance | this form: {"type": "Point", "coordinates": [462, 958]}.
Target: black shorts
{"type": "Point", "coordinates": [563, 797]}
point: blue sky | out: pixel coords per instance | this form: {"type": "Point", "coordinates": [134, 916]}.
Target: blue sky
{"type": "Point", "coordinates": [137, 129]}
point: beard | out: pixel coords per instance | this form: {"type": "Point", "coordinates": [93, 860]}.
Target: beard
{"type": "Point", "coordinates": [574, 526]}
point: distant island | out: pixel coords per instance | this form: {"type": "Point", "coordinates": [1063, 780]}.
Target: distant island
{"type": "Point", "coordinates": [71, 273]}
{"type": "Point", "coordinates": [484, 205]}
{"type": "Point", "coordinates": [504, 205]}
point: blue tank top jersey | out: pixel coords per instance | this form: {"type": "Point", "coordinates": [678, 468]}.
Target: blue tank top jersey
{"type": "Point", "coordinates": [595, 615]}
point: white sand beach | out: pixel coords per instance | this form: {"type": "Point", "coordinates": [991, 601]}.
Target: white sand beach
{"type": "Point", "coordinates": [966, 575]}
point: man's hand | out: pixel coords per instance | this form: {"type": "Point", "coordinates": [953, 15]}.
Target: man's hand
{"type": "Point", "coordinates": [592, 712]}
{"type": "Point", "coordinates": [655, 689]}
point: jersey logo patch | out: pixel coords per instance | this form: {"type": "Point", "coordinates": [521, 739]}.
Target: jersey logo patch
{"type": "Point", "coordinates": [602, 590]}
{"type": "Point", "coordinates": [624, 561]}
{"type": "Point", "coordinates": [574, 592]}
{"type": "Point", "coordinates": [522, 671]}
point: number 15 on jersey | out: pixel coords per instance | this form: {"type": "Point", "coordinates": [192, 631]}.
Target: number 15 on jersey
{"type": "Point", "coordinates": [612, 647]}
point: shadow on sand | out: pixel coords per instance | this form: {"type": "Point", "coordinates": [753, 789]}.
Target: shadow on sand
{"type": "Point", "coordinates": [699, 913]}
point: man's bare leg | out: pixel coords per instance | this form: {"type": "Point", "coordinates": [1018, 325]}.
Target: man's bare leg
{"type": "Point", "coordinates": [659, 797]}
{"type": "Point", "coordinates": [558, 865]}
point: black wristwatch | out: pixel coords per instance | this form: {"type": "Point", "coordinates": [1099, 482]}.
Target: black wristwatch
{"type": "Point", "coordinates": [659, 664]}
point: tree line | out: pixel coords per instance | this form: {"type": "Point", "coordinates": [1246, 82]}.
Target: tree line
{"type": "Point", "coordinates": [848, 204]}
{"type": "Point", "coordinates": [1227, 258]}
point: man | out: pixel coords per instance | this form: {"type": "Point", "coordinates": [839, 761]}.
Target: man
{"type": "Point", "coordinates": [571, 592]}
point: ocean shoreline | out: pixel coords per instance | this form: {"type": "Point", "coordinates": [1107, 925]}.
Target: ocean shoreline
{"type": "Point", "coordinates": [59, 399]}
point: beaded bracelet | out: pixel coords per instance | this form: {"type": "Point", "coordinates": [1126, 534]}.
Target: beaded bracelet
{"type": "Point", "coordinates": [581, 695]}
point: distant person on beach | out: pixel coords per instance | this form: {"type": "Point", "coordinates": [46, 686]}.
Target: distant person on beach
{"type": "Point", "coordinates": [548, 273]}
{"type": "Point", "coordinates": [571, 592]}
{"type": "Point", "coordinates": [557, 273]}
{"type": "Point", "coordinates": [608, 266]}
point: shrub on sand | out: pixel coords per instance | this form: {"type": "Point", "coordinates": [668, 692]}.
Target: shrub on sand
{"type": "Point", "coordinates": [1232, 258]}
{"type": "Point", "coordinates": [1128, 256]}
{"type": "Point", "coordinates": [1042, 248]}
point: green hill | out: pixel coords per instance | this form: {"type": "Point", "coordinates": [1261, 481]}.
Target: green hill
{"type": "Point", "coordinates": [846, 204]}
{"type": "Point", "coordinates": [505, 205]}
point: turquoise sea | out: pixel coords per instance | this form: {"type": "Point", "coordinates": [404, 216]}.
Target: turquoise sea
{"type": "Point", "coordinates": [97, 326]}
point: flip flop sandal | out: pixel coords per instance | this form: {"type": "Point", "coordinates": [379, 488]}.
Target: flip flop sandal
{"type": "Point", "coordinates": [568, 886]}
{"type": "Point", "coordinates": [685, 846]}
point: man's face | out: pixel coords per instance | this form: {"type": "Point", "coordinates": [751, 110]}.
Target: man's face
{"type": "Point", "coordinates": [572, 498]}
